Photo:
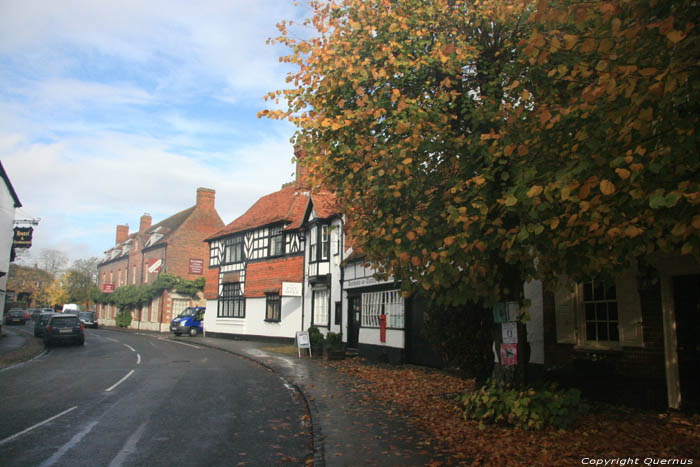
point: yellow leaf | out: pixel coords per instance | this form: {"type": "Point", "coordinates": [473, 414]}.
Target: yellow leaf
{"type": "Point", "coordinates": [678, 230]}
{"type": "Point", "coordinates": [622, 173]}
{"type": "Point", "coordinates": [554, 223]}
{"type": "Point", "coordinates": [407, 161]}
{"type": "Point", "coordinates": [479, 180]}
{"type": "Point", "coordinates": [411, 235]}
{"type": "Point", "coordinates": [696, 222]}
{"type": "Point", "coordinates": [607, 187]}
{"type": "Point", "coordinates": [675, 36]}
{"type": "Point", "coordinates": [511, 200]}
{"type": "Point", "coordinates": [449, 240]}
{"type": "Point", "coordinates": [687, 249]}
{"type": "Point", "coordinates": [522, 150]}
{"type": "Point", "coordinates": [508, 150]}
{"type": "Point", "coordinates": [632, 231]}
{"type": "Point", "coordinates": [534, 191]}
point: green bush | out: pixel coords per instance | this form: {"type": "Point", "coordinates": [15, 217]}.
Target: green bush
{"type": "Point", "coordinates": [315, 336]}
{"type": "Point", "coordinates": [529, 408]}
{"type": "Point", "coordinates": [123, 318]}
{"type": "Point", "coordinates": [334, 339]}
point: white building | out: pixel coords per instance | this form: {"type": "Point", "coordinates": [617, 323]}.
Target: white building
{"type": "Point", "coordinates": [8, 203]}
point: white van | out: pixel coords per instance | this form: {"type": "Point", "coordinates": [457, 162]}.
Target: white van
{"type": "Point", "coordinates": [71, 308]}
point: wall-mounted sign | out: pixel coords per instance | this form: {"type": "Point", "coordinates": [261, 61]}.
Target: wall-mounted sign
{"type": "Point", "coordinates": [291, 289]}
{"type": "Point", "coordinates": [107, 288]}
{"type": "Point", "coordinates": [154, 265]}
{"type": "Point", "coordinates": [509, 354]}
{"type": "Point", "coordinates": [499, 313]}
{"type": "Point", "coordinates": [510, 333]}
{"type": "Point", "coordinates": [196, 266]}
{"type": "Point", "coordinates": [22, 237]}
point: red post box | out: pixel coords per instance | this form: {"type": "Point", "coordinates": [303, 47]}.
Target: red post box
{"type": "Point", "coordinates": [382, 328]}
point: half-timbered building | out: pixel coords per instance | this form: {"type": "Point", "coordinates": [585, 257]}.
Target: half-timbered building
{"type": "Point", "coordinates": [256, 265]}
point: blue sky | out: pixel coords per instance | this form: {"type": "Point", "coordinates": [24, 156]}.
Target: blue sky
{"type": "Point", "coordinates": [109, 110]}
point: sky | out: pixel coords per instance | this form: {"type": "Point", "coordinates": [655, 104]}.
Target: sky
{"type": "Point", "coordinates": [109, 110]}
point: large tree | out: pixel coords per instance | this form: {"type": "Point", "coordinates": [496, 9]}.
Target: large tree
{"type": "Point", "coordinates": [476, 144]}
{"type": "Point", "coordinates": [392, 99]}
{"type": "Point", "coordinates": [52, 261]}
{"type": "Point", "coordinates": [81, 280]}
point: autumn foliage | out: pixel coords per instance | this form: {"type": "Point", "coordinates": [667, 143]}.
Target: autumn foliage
{"type": "Point", "coordinates": [470, 141]}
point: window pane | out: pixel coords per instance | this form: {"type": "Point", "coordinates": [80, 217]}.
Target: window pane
{"type": "Point", "coordinates": [590, 332]}
{"type": "Point", "coordinates": [601, 311]}
{"type": "Point", "coordinates": [612, 311]}
{"type": "Point", "coordinates": [602, 331]}
{"type": "Point", "coordinates": [599, 291]}
{"type": "Point", "coordinates": [588, 291]}
{"type": "Point", "coordinates": [590, 311]}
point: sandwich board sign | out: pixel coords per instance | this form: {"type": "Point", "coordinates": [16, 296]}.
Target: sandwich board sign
{"type": "Point", "coordinates": [303, 342]}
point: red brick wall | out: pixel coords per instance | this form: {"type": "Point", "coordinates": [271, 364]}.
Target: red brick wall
{"type": "Point", "coordinates": [187, 242]}
{"type": "Point", "coordinates": [267, 275]}
{"type": "Point", "coordinates": [211, 287]}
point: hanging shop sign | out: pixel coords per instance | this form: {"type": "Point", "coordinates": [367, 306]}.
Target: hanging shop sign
{"type": "Point", "coordinates": [22, 237]}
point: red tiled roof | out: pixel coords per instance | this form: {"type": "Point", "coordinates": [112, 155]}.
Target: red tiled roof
{"type": "Point", "coordinates": [266, 276]}
{"type": "Point", "coordinates": [287, 204]}
{"type": "Point", "coordinates": [325, 204]}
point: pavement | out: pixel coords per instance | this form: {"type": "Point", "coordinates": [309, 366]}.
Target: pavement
{"type": "Point", "coordinates": [349, 427]}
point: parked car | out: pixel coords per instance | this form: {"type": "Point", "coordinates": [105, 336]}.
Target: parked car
{"type": "Point", "coordinates": [16, 315]}
{"type": "Point", "coordinates": [88, 318]}
{"type": "Point", "coordinates": [71, 308]}
{"type": "Point", "coordinates": [40, 325]}
{"type": "Point", "coordinates": [188, 322]}
{"type": "Point", "coordinates": [64, 328]}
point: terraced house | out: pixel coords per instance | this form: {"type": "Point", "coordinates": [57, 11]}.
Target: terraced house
{"type": "Point", "coordinates": [174, 245]}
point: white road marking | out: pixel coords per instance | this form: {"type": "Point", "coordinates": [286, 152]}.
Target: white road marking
{"type": "Point", "coordinates": [177, 342]}
{"type": "Point", "coordinates": [129, 447]}
{"type": "Point", "coordinates": [74, 440]}
{"type": "Point", "coordinates": [138, 358]}
{"type": "Point", "coordinates": [110, 339]}
{"type": "Point", "coordinates": [129, 347]}
{"type": "Point", "coordinates": [17, 435]}
{"type": "Point", "coordinates": [120, 381]}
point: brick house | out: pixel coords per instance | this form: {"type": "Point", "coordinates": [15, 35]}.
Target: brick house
{"type": "Point", "coordinates": [174, 245]}
{"type": "Point", "coordinates": [636, 337]}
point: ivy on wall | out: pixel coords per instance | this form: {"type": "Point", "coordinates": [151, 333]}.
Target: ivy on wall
{"type": "Point", "coordinates": [136, 296]}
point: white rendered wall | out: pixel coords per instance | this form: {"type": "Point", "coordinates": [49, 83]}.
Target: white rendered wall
{"type": "Point", "coordinates": [7, 219]}
{"type": "Point", "coordinates": [254, 323]}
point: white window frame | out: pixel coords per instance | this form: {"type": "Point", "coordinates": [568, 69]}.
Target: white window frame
{"type": "Point", "coordinates": [321, 307]}
{"type": "Point", "coordinates": [386, 302]}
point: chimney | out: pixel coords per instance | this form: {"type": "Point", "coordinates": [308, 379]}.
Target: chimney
{"type": "Point", "coordinates": [205, 199]}
{"type": "Point", "coordinates": [145, 222]}
{"type": "Point", "coordinates": [301, 175]}
{"type": "Point", "coordinates": [122, 233]}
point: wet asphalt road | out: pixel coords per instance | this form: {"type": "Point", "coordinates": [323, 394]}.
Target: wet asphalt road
{"type": "Point", "coordinates": [126, 399]}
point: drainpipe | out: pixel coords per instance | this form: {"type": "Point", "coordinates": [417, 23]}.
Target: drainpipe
{"type": "Point", "coordinates": [342, 271]}
{"type": "Point", "coordinates": [303, 277]}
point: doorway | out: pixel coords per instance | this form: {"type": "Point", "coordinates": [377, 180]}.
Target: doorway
{"type": "Point", "coordinates": [354, 320]}
{"type": "Point", "coordinates": [686, 299]}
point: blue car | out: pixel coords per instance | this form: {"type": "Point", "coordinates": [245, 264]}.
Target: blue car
{"type": "Point", "coordinates": [188, 322]}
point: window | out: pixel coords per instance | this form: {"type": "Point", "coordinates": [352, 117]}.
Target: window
{"type": "Point", "coordinates": [273, 308]}
{"type": "Point", "coordinates": [313, 244]}
{"type": "Point", "coordinates": [389, 303]}
{"type": "Point", "coordinates": [233, 252]}
{"type": "Point", "coordinates": [133, 275]}
{"type": "Point", "coordinates": [276, 244]}
{"type": "Point", "coordinates": [600, 305]}
{"type": "Point", "coordinates": [320, 306]}
{"type": "Point", "coordinates": [231, 301]}
{"type": "Point", "coordinates": [325, 242]}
